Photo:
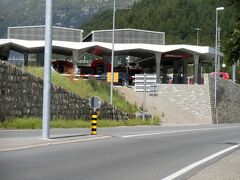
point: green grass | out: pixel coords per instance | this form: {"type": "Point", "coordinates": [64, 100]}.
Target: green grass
{"type": "Point", "coordinates": [36, 123]}
{"type": "Point", "coordinates": [87, 88]}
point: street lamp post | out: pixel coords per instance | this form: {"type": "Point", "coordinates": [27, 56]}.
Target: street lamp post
{"type": "Point", "coordinates": [218, 49]}
{"type": "Point", "coordinates": [47, 71]}
{"type": "Point", "coordinates": [112, 61]}
{"type": "Point", "coordinates": [216, 59]}
{"type": "Point", "coordinates": [198, 29]}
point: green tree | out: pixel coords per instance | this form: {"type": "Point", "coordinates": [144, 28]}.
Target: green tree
{"type": "Point", "coordinates": [177, 18]}
{"type": "Point", "coordinates": [231, 47]}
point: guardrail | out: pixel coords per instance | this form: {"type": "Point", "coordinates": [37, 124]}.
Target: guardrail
{"type": "Point", "coordinates": [82, 75]}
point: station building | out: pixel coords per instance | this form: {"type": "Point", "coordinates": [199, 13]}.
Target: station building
{"type": "Point", "coordinates": [37, 33]}
{"type": "Point", "coordinates": [121, 36]}
{"type": "Point", "coordinates": [126, 36]}
{"type": "Point", "coordinates": [145, 48]}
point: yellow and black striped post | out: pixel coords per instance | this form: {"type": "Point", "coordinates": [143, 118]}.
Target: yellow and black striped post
{"type": "Point", "coordinates": [94, 124]}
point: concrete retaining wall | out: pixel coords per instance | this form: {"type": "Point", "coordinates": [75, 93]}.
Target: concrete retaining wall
{"type": "Point", "coordinates": [21, 96]}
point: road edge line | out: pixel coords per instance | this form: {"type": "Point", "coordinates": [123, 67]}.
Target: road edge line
{"type": "Point", "coordinates": [173, 132]}
{"type": "Point", "coordinates": [198, 163]}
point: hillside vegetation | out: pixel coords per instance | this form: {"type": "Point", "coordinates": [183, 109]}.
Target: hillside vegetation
{"type": "Point", "coordinates": [87, 89]}
{"type": "Point", "coordinates": [66, 13]}
{"type": "Point", "coordinates": [178, 18]}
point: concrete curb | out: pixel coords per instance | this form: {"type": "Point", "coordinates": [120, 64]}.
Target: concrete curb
{"type": "Point", "coordinates": [50, 143]}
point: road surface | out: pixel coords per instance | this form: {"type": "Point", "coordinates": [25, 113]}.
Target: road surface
{"type": "Point", "coordinates": [140, 153]}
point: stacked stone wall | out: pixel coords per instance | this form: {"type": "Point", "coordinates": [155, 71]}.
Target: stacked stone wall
{"type": "Point", "coordinates": [21, 95]}
{"type": "Point", "coordinates": [227, 101]}
{"type": "Point", "coordinates": [185, 104]}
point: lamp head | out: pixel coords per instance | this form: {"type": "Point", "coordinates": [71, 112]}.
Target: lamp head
{"type": "Point", "coordinates": [220, 8]}
{"type": "Point", "coordinates": [198, 29]}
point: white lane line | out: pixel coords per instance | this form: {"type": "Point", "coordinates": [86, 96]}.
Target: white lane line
{"type": "Point", "coordinates": [190, 167]}
{"type": "Point", "coordinates": [172, 132]}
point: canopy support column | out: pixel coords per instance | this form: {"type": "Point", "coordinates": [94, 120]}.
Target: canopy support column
{"type": "Point", "coordinates": [40, 59]}
{"type": "Point", "coordinates": [158, 62]}
{"type": "Point", "coordinates": [175, 72]}
{"type": "Point", "coordinates": [200, 72]}
{"type": "Point", "coordinates": [196, 64]}
{"type": "Point", "coordinates": [165, 71]}
{"type": "Point", "coordinates": [25, 59]}
{"type": "Point", "coordinates": [185, 71]}
{"type": "Point", "coordinates": [75, 55]}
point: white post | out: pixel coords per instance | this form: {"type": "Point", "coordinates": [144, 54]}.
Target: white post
{"type": "Point", "coordinates": [47, 71]}
{"type": "Point", "coordinates": [234, 72]}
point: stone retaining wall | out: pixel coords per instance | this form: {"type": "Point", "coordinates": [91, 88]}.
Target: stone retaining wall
{"type": "Point", "coordinates": [227, 103]}
{"type": "Point", "coordinates": [185, 104]}
{"type": "Point", "coordinates": [21, 96]}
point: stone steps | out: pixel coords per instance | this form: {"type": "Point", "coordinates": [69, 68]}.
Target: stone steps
{"type": "Point", "coordinates": [176, 103]}
{"type": "Point", "coordinates": [191, 101]}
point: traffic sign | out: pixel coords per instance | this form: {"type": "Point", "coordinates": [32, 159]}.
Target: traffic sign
{"type": "Point", "coordinates": [115, 77]}
{"type": "Point", "coordinates": [95, 102]}
{"type": "Point", "coordinates": [153, 90]}
{"type": "Point", "coordinates": [143, 82]}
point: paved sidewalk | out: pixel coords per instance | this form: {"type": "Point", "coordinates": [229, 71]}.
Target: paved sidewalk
{"type": "Point", "coordinates": [227, 168]}
{"type": "Point", "coordinates": [19, 143]}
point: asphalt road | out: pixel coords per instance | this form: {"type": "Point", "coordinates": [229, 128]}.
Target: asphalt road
{"type": "Point", "coordinates": [142, 153]}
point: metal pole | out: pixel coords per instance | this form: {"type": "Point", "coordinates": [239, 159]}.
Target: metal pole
{"type": "Point", "coordinates": [197, 38]}
{"type": "Point", "coordinates": [112, 62]}
{"type": "Point", "coordinates": [144, 96]}
{"type": "Point", "coordinates": [198, 29]}
{"type": "Point", "coordinates": [215, 83]}
{"type": "Point", "coordinates": [154, 107]}
{"type": "Point", "coordinates": [218, 46]}
{"type": "Point", "coordinates": [216, 59]}
{"type": "Point", "coordinates": [47, 71]}
{"type": "Point", "coordinates": [153, 92]}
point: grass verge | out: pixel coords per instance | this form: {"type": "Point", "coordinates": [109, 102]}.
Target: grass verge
{"type": "Point", "coordinates": [87, 88]}
{"type": "Point", "coordinates": [36, 123]}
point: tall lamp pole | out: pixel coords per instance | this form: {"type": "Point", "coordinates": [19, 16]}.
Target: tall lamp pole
{"type": "Point", "coordinates": [47, 71]}
{"type": "Point", "coordinates": [112, 61]}
{"type": "Point", "coordinates": [216, 59]}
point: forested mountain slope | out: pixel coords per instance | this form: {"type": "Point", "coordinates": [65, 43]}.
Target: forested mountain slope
{"type": "Point", "coordinates": [178, 18]}
{"type": "Point", "coordinates": [67, 13]}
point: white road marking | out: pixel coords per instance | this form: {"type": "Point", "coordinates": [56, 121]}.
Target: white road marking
{"type": "Point", "coordinates": [190, 167]}
{"type": "Point", "coordinates": [172, 132]}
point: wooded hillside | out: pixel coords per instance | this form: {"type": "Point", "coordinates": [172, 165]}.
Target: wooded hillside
{"type": "Point", "coordinates": [178, 18]}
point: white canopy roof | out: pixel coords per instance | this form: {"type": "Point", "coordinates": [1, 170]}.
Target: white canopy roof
{"type": "Point", "coordinates": [25, 45]}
